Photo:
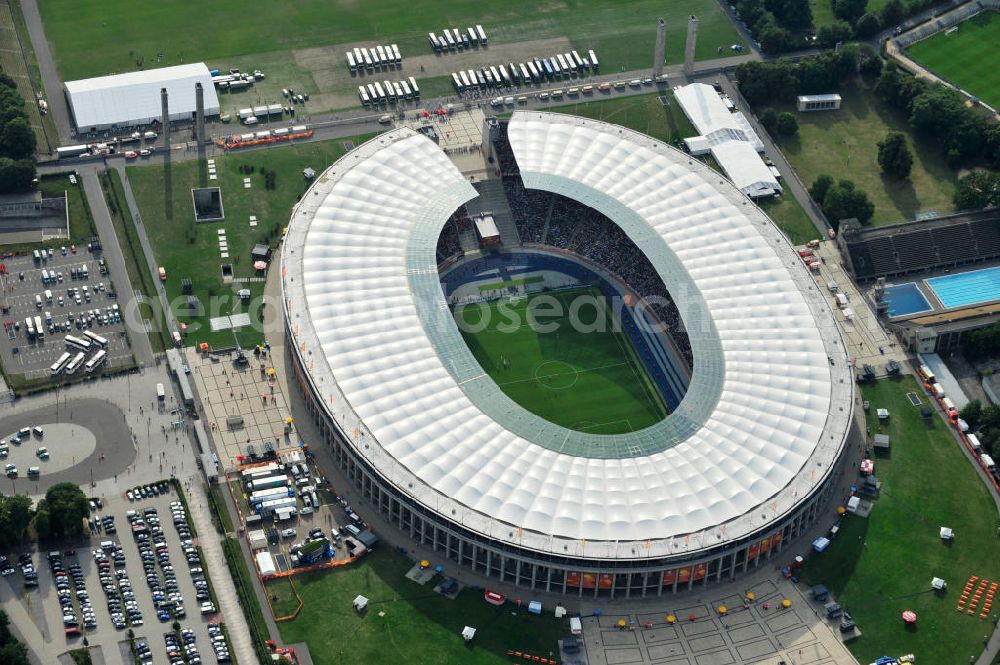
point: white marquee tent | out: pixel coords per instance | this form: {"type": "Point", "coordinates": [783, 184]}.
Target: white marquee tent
{"type": "Point", "coordinates": [128, 100]}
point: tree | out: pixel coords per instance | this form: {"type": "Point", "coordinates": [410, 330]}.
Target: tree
{"type": "Point", "coordinates": [820, 187]}
{"type": "Point", "coordinates": [990, 441]}
{"type": "Point", "coordinates": [762, 82]}
{"type": "Point", "coordinates": [934, 109]}
{"type": "Point", "coordinates": [791, 13]}
{"type": "Point", "coordinates": [829, 35]}
{"type": "Point", "coordinates": [787, 124]}
{"type": "Point", "coordinates": [991, 144]}
{"type": "Point", "coordinates": [66, 506]}
{"type": "Point", "coordinates": [750, 11]}
{"type": "Point", "coordinates": [15, 515]}
{"type": "Point", "coordinates": [17, 139]}
{"type": "Point", "coordinates": [16, 176]}
{"type": "Point", "coordinates": [971, 413]}
{"type": "Point", "coordinates": [12, 652]}
{"type": "Point", "coordinates": [844, 201]}
{"type": "Point", "coordinates": [978, 190]}
{"type": "Point", "coordinates": [772, 37]}
{"type": "Point", "coordinates": [849, 10]}
{"type": "Point", "coordinates": [897, 88]}
{"type": "Point", "coordinates": [867, 26]}
{"type": "Point", "coordinates": [893, 12]}
{"type": "Point", "coordinates": [869, 61]}
{"type": "Point", "coordinates": [894, 156]}
{"type": "Point", "coordinates": [768, 119]}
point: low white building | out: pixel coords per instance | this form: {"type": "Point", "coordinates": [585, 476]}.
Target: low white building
{"type": "Point", "coordinates": [829, 102]}
{"type": "Point", "coordinates": [132, 99]}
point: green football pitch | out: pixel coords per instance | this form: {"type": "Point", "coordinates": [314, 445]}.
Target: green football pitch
{"type": "Point", "coordinates": [579, 371]}
{"type": "Point", "coordinates": [967, 57]}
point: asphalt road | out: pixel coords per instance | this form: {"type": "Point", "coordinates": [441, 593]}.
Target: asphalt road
{"type": "Point", "coordinates": [114, 256]}
{"type": "Point", "coordinates": [58, 108]}
{"type": "Point", "coordinates": [104, 420]}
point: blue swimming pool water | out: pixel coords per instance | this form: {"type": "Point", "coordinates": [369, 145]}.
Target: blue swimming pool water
{"type": "Point", "coordinates": [967, 288]}
{"type": "Point", "coordinates": [905, 299]}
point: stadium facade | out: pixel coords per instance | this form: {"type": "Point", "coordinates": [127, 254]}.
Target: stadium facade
{"type": "Point", "coordinates": [742, 466]}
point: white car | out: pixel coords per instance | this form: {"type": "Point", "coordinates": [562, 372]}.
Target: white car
{"type": "Point", "coordinates": [43, 453]}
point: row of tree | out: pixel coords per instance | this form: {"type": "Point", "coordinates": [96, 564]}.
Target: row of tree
{"type": "Point", "coordinates": [12, 652]}
{"type": "Point", "coordinates": [841, 199]}
{"type": "Point", "coordinates": [982, 343]}
{"type": "Point", "coordinates": [62, 513]}
{"type": "Point", "coordinates": [782, 81]}
{"type": "Point", "coordinates": [17, 140]}
{"type": "Point", "coordinates": [785, 25]}
{"type": "Point", "coordinates": [986, 421]}
{"type": "Point", "coordinates": [963, 133]}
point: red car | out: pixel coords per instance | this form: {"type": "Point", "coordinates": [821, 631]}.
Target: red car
{"type": "Point", "coordinates": [131, 154]}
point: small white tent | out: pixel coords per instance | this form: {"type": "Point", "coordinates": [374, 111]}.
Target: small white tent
{"type": "Point", "coordinates": [468, 633]}
{"type": "Point", "coordinates": [360, 603]}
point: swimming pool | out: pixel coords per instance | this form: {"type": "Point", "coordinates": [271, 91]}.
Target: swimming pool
{"type": "Point", "coordinates": [967, 288]}
{"type": "Point", "coordinates": [905, 299]}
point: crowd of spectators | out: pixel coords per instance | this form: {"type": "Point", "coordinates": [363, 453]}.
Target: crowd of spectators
{"type": "Point", "coordinates": [448, 245]}
{"type": "Point", "coordinates": [552, 220]}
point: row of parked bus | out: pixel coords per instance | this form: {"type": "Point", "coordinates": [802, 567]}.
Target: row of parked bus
{"type": "Point", "coordinates": [536, 70]}
{"type": "Point", "coordinates": [388, 92]}
{"type": "Point", "coordinates": [77, 349]}
{"type": "Point", "coordinates": [376, 57]}
{"type": "Point", "coordinates": [453, 38]}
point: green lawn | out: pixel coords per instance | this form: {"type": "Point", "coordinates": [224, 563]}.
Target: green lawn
{"type": "Point", "coordinates": [822, 11]}
{"type": "Point", "coordinates": [135, 264]}
{"type": "Point", "coordinates": [788, 214]}
{"type": "Point", "coordinates": [585, 377]}
{"type": "Point", "coordinates": [187, 249]}
{"type": "Point", "coordinates": [408, 623]}
{"type": "Point", "coordinates": [844, 144]}
{"type": "Point", "coordinates": [81, 223]}
{"type": "Point", "coordinates": [92, 37]}
{"type": "Point", "coordinates": [643, 113]}
{"type": "Point", "coordinates": [967, 58]}
{"type": "Point", "coordinates": [879, 566]}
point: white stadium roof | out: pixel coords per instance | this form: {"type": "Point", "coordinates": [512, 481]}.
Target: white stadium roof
{"type": "Point", "coordinates": [758, 431]}
{"type": "Point", "coordinates": [131, 99]}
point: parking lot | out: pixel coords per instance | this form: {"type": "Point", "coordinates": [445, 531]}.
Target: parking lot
{"type": "Point", "coordinates": [313, 514]}
{"type": "Point", "coordinates": [137, 570]}
{"type": "Point", "coordinates": [75, 298]}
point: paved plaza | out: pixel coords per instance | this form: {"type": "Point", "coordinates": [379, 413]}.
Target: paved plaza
{"type": "Point", "coordinates": [226, 391]}
{"type": "Point", "coordinates": [796, 635]}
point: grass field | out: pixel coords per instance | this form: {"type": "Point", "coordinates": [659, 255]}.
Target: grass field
{"type": "Point", "coordinates": [967, 58]}
{"type": "Point", "coordinates": [844, 144]}
{"type": "Point", "coordinates": [405, 622]}
{"type": "Point", "coordinates": [645, 113]}
{"type": "Point", "coordinates": [590, 381]}
{"type": "Point", "coordinates": [120, 33]}
{"type": "Point", "coordinates": [187, 249]}
{"type": "Point", "coordinates": [81, 223]}
{"type": "Point", "coordinates": [822, 11]}
{"type": "Point", "coordinates": [879, 566]}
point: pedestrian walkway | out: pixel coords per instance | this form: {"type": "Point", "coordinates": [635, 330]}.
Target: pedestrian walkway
{"type": "Point", "coordinates": [222, 581]}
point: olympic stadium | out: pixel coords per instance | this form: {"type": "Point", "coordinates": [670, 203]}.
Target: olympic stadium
{"type": "Point", "coordinates": [688, 444]}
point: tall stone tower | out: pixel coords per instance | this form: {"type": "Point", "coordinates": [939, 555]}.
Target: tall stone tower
{"type": "Point", "coordinates": [661, 45]}
{"type": "Point", "coordinates": [199, 113]}
{"type": "Point", "coordinates": [692, 40]}
{"type": "Point", "coordinates": [165, 119]}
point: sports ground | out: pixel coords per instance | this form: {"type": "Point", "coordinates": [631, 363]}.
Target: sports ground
{"type": "Point", "coordinates": [301, 45]}
{"type": "Point", "coordinates": [584, 377]}
{"type": "Point", "coordinates": [967, 57]}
